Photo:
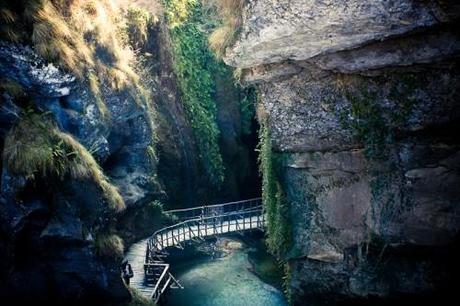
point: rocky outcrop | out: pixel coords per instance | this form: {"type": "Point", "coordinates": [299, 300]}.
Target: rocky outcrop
{"type": "Point", "coordinates": [297, 30]}
{"type": "Point", "coordinates": [57, 222]}
{"type": "Point", "coordinates": [362, 104]}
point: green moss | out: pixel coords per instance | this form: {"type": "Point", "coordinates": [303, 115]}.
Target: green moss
{"type": "Point", "coordinates": [193, 65]}
{"type": "Point", "coordinates": [402, 94]}
{"type": "Point", "coordinates": [365, 117]}
{"type": "Point", "coordinates": [374, 125]}
{"type": "Point", "coordinates": [276, 207]}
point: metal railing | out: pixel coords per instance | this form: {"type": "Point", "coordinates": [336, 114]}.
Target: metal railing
{"type": "Point", "coordinates": [207, 210]}
{"type": "Point", "coordinates": [206, 226]}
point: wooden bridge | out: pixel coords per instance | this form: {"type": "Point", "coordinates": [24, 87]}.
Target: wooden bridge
{"type": "Point", "coordinates": [192, 224]}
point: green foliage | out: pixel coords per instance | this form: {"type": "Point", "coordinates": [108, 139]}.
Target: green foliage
{"type": "Point", "coordinates": [193, 64]}
{"type": "Point", "coordinates": [276, 207]}
{"type": "Point", "coordinates": [34, 146]}
{"type": "Point", "coordinates": [247, 109]}
{"type": "Point", "coordinates": [287, 283]}
{"type": "Point", "coordinates": [108, 245]}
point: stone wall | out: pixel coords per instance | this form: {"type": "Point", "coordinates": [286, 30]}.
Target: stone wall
{"type": "Point", "coordinates": [361, 99]}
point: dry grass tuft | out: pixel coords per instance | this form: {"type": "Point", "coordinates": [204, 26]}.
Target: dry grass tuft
{"type": "Point", "coordinates": [86, 37]}
{"type": "Point", "coordinates": [86, 165]}
{"type": "Point", "coordinates": [36, 147]}
{"type": "Point", "coordinates": [109, 245]}
{"type": "Point", "coordinates": [7, 24]}
{"type": "Point", "coordinates": [229, 12]}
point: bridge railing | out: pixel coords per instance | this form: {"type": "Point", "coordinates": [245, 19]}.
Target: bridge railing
{"type": "Point", "coordinates": [162, 282]}
{"type": "Point", "coordinates": [197, 222]}
{"type": "Point", "coordinates": [212, 210]}
{"type": "Point", "coordinates": [249, 218]}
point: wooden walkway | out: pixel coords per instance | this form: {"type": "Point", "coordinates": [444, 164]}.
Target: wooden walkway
{"type": "Point", "coordinates": [148, 257]}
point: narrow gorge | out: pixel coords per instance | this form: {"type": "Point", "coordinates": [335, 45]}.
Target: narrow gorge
{"type": "Point", "coordinates": [117, 116]}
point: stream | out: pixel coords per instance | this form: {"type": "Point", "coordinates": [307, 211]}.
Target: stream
{"type": "Point", "coordinates": [228, 271]}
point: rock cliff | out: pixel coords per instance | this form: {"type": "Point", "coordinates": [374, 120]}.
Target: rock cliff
{"type": "Point", "coordinates": [87, 157]}
{"type": "Point", "coordinates": [360, 100]}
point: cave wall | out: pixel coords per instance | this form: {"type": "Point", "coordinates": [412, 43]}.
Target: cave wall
{"type": "Point", "coordinates": [361, 102]}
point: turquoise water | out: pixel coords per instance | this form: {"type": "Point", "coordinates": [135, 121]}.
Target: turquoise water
{"type": "Point", "coordinates": [225, 281]}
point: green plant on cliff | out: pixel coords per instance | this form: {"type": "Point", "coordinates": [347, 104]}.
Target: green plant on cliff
{"type": "Point", "coordinates": [247, 109]}
{"type": "Point", "coordinates": [35, 146]}
{"type": "Point", "coordinates": [376, 119]}
{"type": "Point", "coordinates": [276, 207]}
{"type": "Point", "coordinates": [193, 64]}
{"type": "Point", "coordinates": [287, 278]}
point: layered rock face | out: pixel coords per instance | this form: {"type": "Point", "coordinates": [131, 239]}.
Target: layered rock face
{"type": "Point", "coordinates": [50, 222]}
{"type": "Point", "coordinates": [361, 100]}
